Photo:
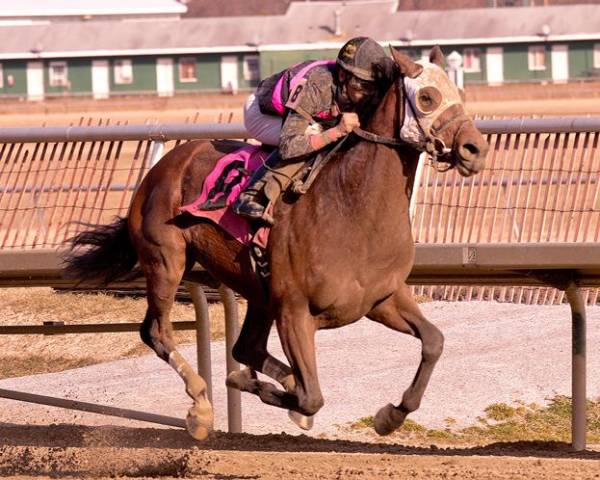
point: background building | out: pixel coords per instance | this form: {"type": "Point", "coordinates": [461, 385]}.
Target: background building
{"type": "Point", "coordinates": [156, 52]}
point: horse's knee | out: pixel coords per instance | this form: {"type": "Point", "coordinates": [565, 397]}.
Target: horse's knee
{"type": "Point", "coordinates": [433, 345]}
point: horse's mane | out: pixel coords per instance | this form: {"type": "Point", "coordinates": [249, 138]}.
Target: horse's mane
{"type": "Point", "coordinates": [386, 73]}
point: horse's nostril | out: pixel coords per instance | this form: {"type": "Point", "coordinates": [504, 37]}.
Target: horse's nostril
{"type": "Point", "coordinates": [471, 149]}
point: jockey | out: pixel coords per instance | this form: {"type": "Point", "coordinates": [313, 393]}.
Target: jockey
{"type": "Point", "coordinates": [305, 108]}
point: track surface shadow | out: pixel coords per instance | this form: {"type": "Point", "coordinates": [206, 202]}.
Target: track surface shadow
{"type": "Point", "coordinates": [77, 436]}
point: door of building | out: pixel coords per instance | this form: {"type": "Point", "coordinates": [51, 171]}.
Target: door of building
{"type": "Point", "coordinates": [164, 77]}
{"type": "Point", "coordinates": [495, 66]}
{"type": "Point", "coordinates": [229, 73]}
{"type": "Point", "coordinates": [100, 79]}
{"type": "Point", "coordinates": [35, 80]}
{"type": "Point", "coordinates": [560, 63]}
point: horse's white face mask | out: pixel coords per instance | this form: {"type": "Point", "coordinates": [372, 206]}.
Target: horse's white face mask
{"type": "Point", "coordinates": [428, 95]}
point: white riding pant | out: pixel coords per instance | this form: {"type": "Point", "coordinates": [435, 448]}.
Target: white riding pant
{"type": "Point", "coordinates": [264, 128]}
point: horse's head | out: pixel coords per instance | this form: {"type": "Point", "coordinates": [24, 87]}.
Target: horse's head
{"type": "Point", "coordinates": [434, 118]}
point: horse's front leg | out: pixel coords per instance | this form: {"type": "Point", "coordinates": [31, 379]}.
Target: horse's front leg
{"type": "Point", "coordinates": [296, 328]}
{"type": "Point", "coordinates": [251, 349]}
{"type": "Point", "coordinates": [400, 312]}
{"type": "Point", "coordinates": [163, 272]}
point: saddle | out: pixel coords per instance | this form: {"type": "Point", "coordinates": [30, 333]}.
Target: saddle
{"type": "Point", "coordinates": [229, 177]}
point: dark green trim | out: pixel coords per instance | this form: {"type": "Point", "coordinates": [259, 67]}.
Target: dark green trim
{"type": "Point", "coordinates": [144, 75]}
{"type": "Point", "coordinates": [18, 70]}
{"type": "Point", "coordinates": [79, 76]}
{"type": "Point", "coordinates": [581, 60]}
{"type": "Point", "coordinates": [516, 63]}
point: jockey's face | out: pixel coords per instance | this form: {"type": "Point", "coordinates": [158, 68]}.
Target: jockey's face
{"type": "Point", "coordinates": [357, 91]}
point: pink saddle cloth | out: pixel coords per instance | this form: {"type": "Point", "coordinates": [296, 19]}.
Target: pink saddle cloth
{"type": "Point", "coordinates": [229, 177]}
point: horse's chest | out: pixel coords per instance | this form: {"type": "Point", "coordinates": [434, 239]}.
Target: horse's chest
{"type": "Point", "coordinates": [343, 302]}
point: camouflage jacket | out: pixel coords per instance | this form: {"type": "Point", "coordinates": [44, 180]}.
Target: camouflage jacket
{"type": "Point", "coordinates": [310, 109]}
{"type": "Point", "coordinates": [308, 115]}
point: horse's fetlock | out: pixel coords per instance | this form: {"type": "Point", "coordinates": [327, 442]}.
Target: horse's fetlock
{"type": "Point", "coordinates": [311, 405]}
{"type": "Point", "coordinates": [195, 387]}
{"type": "Point", "coordinates": [409, 405]}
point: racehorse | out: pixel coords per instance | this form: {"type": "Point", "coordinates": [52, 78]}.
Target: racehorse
{"type": "Point", "coordinates": [340, 252]}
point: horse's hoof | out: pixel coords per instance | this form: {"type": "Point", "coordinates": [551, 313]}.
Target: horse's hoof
{"type": "Point", "coordinates": [199, 420]}
{"type": "Point", "coordinates": [388, 419]}
{"type": "Point", "coordinates": [304, 422]}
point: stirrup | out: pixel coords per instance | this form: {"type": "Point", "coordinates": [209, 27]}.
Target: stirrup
{"type": "Point", "coordinates": [252, 210]}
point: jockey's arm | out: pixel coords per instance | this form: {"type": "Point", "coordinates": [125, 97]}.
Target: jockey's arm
{"type": "Point", "coordinates": [301, 134]}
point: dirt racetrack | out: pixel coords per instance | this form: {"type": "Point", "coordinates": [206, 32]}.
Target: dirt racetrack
{"type": "Point", "coordinates": [129, 452]}
{"type": "Point", "coordinates": [46, 442]}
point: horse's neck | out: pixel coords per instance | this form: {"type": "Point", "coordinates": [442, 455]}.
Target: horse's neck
{"type": "Point", "coordinates": [371, 171]}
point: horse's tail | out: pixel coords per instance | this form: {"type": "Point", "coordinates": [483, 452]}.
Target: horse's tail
{"type": "Point", "coordinates": [102, 255]}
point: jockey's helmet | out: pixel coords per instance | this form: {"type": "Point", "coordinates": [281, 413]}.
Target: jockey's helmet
{"type": "Point", "coordinates": [359, 56]}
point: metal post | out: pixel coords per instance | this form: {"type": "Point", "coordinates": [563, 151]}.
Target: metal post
{"type": "Point", "coordinates": [234, 398]}
{"type": "Point", "coordinates": [158, 147]}
{"type": "Point", "coordinates": [202, 334]}
{"type": "Point", "coordinates": [578, 366]}
{"type": "Point", "coordinates": [416, 184]}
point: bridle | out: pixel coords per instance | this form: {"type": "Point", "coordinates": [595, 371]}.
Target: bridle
{"type": "Point", "coordinates": [435, 146]}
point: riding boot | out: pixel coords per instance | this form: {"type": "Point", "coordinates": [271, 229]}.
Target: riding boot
{"type": "Point", "coordinates": [251, 201]}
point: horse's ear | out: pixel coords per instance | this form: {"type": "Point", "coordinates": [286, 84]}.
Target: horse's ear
{"type": "Point", "coordinates": [436, 56]}
{"type": "Point", "coordinates": [407, 67]}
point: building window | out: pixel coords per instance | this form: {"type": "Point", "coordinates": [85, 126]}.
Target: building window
{"type": "Point", "coordinates": [58, 74]}
{"type": "Point", "coordinates": [123, 71]}
{"type": "Point", "coordinates": [537, 57]}
{"type": "Point", "coordinates": [597, 55]}
{"type": "Point", "coordinates": [251, 68]}
{"type": "Point", "coordinates": [187, 69]}
{"type": "Point", "coordinates": [472, 60]}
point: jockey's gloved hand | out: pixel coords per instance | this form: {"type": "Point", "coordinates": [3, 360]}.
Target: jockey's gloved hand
{"type": "Point", "coordinates": [348, 123]}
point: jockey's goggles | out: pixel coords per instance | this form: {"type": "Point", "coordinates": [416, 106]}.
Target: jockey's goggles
{"type": "Point", "coordinates": [365, 86]}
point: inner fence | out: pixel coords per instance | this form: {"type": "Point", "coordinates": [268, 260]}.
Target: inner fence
{"type": "Point", "coordinates": [540, 185]}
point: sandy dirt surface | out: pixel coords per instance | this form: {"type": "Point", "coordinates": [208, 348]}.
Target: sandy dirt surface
{"type": "Point", "coordinates": [494, 352]}
{"type": "Point", "coordinates": [149, 453]}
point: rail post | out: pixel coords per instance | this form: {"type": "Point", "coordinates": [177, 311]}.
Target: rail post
{"type": "Point", "coordinates": [203, 354]}
{"type": "Point", "coordinates": [234, 398]}
{"type": "Point", "coordinates": [578, 367]}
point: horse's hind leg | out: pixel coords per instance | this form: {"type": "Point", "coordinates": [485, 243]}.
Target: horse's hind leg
{"type": "Point", "coordinates": [400, 312]}
{"type": "Point", "coordinates": [251, 345]}
{"type": "Point", "coordinates": [163, 270]}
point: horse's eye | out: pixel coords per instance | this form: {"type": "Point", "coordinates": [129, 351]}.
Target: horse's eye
{"type": "Point", "coordinates": [428, 99]}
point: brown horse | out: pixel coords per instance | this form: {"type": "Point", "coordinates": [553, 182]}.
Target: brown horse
{"type": "Point", "coordinates": [340, 252]}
